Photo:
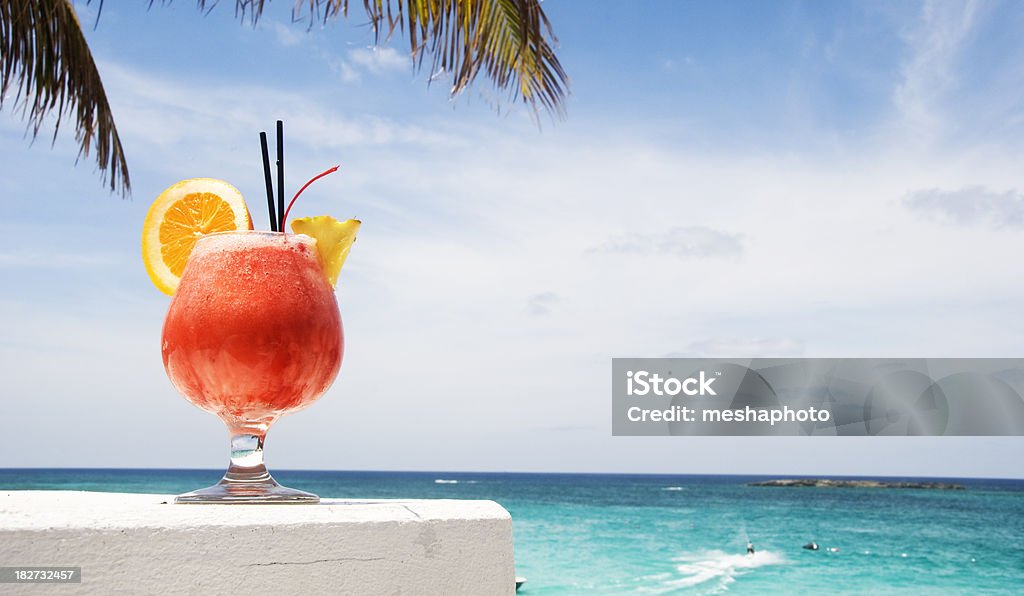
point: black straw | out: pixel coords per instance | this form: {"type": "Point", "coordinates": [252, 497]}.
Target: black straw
{"type": "Point", "coordinates": [269, 182]}
{"type": "Point", "coordinates": [280, 175]}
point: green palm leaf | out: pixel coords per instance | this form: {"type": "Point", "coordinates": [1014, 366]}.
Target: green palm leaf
{"type": "Point", "coordinates": [44, 58]}
{"type": "Point", "coordinates": [47, 62]}
{"type": "Point", "coordinates": [510, 41]}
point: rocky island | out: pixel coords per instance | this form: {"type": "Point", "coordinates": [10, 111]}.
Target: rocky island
{"type": "Point", "coordinates": [830, 483]}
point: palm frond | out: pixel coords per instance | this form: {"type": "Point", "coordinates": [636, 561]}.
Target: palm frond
{"type": "Point", "coordinates": [48, 67]}
{"type": "Point", "coordinates": [46, 63]}
{"type": "Point", "coordinates": [510, 41]}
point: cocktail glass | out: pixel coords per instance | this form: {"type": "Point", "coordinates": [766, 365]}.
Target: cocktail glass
{"type": "Point", "coordinates": [252, 333]}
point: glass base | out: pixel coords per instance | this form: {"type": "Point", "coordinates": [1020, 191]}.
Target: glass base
{"type": "Point", "coordinates": [230, 492]}
{"type": "Point", "coordinates": [247, 480]}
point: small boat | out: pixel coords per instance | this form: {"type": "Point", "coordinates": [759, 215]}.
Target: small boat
{"type": "Point", "coordinates": [519, 582]}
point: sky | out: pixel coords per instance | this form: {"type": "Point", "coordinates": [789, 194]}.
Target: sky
{"type": "Point", "coordinates": [733, 179]}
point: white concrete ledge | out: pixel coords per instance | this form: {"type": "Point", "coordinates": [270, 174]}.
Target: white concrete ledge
{"type": "Point", "coordinates": [144, 544]}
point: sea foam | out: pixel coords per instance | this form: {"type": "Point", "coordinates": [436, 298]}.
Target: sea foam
{"type": "Point", "coordinates": [718, 567]}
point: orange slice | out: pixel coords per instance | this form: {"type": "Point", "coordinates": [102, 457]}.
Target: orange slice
{"type": "Point", "coordinates": [333, 240]}
{"type": "Point", "coordinates": [179, 216]}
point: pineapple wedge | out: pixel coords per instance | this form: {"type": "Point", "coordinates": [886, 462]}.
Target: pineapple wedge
{"type": "Point", "coordinates": [333, 240]}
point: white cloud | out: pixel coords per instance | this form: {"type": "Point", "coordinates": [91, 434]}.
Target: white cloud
{"type": "Point", "coordinates": [935, 44]}
{"type": "Point", "coordinates": [24, 259]}
{"type": "Point", "coordinates": [372, 61]}
{"type": "Point", "coordinates": [686, 241]}
{"type": "Point", "coordinates": [742, 347]}
{"type": "Point", "coordinates": [971, 205]}
{"type": "Point", "coordinates": [162, 113]}
{"type": "Point", "coordinates": [377, 59]}
{"type": "Point", "coordinates": [678, 63]}
{"type": "Point", "coordinates": [542, 303]}
{"type": "Point", "coordinates": [348, 73]}
{"type": "Point", "coordinates": [287, 36]}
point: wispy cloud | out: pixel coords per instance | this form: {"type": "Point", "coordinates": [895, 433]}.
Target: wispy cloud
{"type": "Point", "coordinates": [56, 260]}
{"type": "Point", "coordinates": [373, 61]}
{"type": "Point", "coordinates": [163, 112]}
{"type": "Point", "coordinates": [285, 35]}
{"type": "Point", "coordinates": [688, 241]}
{"type": "Point", "coordinates": [741, 347]}
{"type": "Point", "coordinates": [678, 63]}
{"type": "Point", "coordinates": [345, 70]}
{"type": "Point", "coordinates": [541, 304]}
{"type": "Point", "coordinates": [969, 206]}
{"type": "Point", "coordinates": [931, 69]}
{"type": "Point", "coordinates": [379, 59]}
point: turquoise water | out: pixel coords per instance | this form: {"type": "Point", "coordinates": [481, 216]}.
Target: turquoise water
{"type": "Point", "coordinates": [617, 534]}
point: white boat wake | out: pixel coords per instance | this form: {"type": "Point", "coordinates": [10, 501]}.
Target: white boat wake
{"type": "Point", "coordinates": [715, 569]}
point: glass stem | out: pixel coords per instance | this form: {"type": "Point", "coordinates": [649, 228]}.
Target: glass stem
{"type": "Point", "coordinates": [247, 479]}
{"type": "Point", "coordinates": [247, 459]}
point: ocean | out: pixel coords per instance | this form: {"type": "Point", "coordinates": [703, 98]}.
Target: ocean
{"type": "Point", "coordinates": [654, 534]}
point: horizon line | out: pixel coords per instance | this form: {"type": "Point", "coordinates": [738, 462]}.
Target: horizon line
{"type": "Point", "coordinates": [528, 473]}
